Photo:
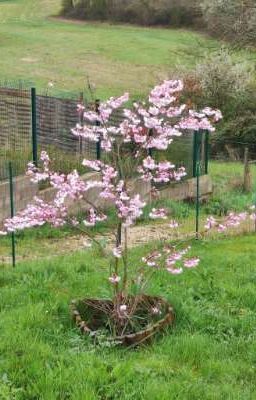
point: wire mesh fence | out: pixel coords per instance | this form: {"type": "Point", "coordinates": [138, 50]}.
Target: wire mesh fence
{"type": "Point", "coordinates": [15, 120]}
{"type": "Point", "coordinates": [31, 122]}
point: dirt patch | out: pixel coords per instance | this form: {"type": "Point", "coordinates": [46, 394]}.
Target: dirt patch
{"type": "Point", "coordinates": [29, 60]}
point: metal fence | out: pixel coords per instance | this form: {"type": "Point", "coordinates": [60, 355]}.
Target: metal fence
{"type": "Point", "coordinates": [15, 131]}
{"type": "Point", "coordinates": [31, 122]}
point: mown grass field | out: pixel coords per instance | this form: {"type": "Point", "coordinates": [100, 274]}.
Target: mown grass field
{"type": "Point", "coordinates": [115, 58]}
{"type": "Point", "coordinates": [209, 354]}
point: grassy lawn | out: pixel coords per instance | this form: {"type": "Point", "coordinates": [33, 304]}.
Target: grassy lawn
{"type": "Point", "coordinates": [209, 354]}
{"type": "Point", "coordinates": [116, 58]}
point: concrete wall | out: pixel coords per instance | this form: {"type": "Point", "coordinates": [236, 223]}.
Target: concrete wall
{"type": "Point", "coordinates": [25, 192]}
{"type": "Point", "coordinates": [187, 190]}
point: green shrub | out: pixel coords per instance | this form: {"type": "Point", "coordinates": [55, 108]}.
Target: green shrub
{"type": "Point", "coordinates": [144, 12]}
{"type": "Point", "coordinates": [220, 82]}
{"type": "Point", "coordinates": [231, 19]}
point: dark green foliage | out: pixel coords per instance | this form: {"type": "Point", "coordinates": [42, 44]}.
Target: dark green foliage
{"type": "Point", "coordinates": [144, 12]}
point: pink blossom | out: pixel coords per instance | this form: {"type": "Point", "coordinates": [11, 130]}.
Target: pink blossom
{"type": "Point", "coordinates": [87, 244]}
{"type": "Point", "coordinates": [123, 308]}
{"type": "Point", "coordinates": [95, 164]}
{"type": "Point", "coordinates": [191, 263]}
{"type": "Point", "coordinates": [173, 224]}
{"type": "Point", "coordinates": [37, 214]}
{"type": "Point", "coordinates": [74, 221]}
{"type": "Point", "coordinates": [86, 132]}
{"type": "Point", "coordinates": [149, 163]}
{"type": "Point", "coordinates": [80, 108]}
{"type": "Point", "coordinates": [154, 111]}
{"type": "Point", "coordinates": [93, 218]}
{"type": "Point", "coordinates": [106, 145]}
{"type": "Point", "coordinates": [152, 259]}
{"type": "Point", "coordinates": [211, 222]}
{"type": "Point", "coordinates": [117, 252]}
{"type": "Point", "coordinates": [91, 116]}
{"type": "Point", "coordinates": [175, 111]}
{"type": "Point", "coordinates": [216, 114]}
{"type": "Point", "coordinates": [221, 228]}
{"type": "Point", "coordinates": [114, 279]}
{"type": "Point", "coordinates": [175, 271]}
{"type": "Point", "coordinates": [159, 213]}
{"type": "Point", "coordinates": [156, 311]}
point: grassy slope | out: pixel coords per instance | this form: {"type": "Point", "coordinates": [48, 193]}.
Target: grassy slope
{"type": "Point", "coordinates": [115, 58]}
{"type": "Point", "coordinates": [210, 353]}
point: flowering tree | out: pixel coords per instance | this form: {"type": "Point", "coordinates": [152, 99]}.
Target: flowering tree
{"type": "Point", "coordinates": [145, 127]}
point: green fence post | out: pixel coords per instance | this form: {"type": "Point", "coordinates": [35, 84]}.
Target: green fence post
{"type": "Point", "coordinates": [98, 146]}
{"type": "Point", "coordinates": [34, 126]}
{"type": "Point", "coordinates": [196, 174]}
{"type": "Point", "coordinates": [12, 213]}
{"type": "Point", "coordinates": [195, 150]}
{"type": "Point", "coordinates": [207, 152]}
{"type": "Point", "coordinates": [255, 213]}
{"type": "Point", "coordinates": [197, 198]}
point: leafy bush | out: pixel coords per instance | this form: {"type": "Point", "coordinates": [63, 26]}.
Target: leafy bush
{"type": "Point", "coordinates": [222, 81]}
{"type": "Point", "coordinates": [231, 87]}
{"type": "Point", "coordinates": [231, 19]}
{"type": "Point", "coordinates": [144, 12]}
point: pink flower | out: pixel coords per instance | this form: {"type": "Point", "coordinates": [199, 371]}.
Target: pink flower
{"type": "Point", "coordinates": [114, 279]}
{"type": "Point", "coordinates": [80, 108]}
{"type": "Point", "coordinates": [87, 244]}
{"type": "Point", "coordinates": [191, 263]}
{"type": "Point", "coordinates": [211, 223]}
{"type": "Point", "coordinates": [175, 271]}
{"type": "Point", "coordinates": [174, 224]}
{"type": "Point", "coordinates": [151, 259]}
{"type": "Point", "coordinates": [216, 114]}
{"type": "Point", "coordinates": [96, 165]}
{"type": "Point", "coordinates": [159, 213]}
{"type": "Point", "coordinates": [123, 308]}
{"type": "Point", "coordinates": [74, 221]}
{"type": "Point", "coordinates": [117, 252]}
{"type": "Point", "coordinates": [156, 311]}
{"type": "Point", "coordinates": [93, 218]}
{"type": "Point", "coordinates": [149, 163]}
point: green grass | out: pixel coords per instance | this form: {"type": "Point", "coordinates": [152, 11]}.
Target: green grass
{"type": "Point", "coordinates": [228, 188]}
{"type": "Point", "coordinates": [209, 354]}
{"type": "Point", "coordinates": [116, 58]}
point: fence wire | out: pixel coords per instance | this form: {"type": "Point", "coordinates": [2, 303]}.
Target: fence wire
{"type": "Point", "coordinates": [15, 128]}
